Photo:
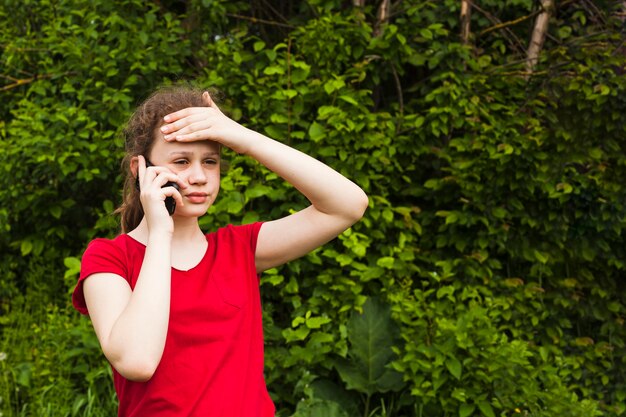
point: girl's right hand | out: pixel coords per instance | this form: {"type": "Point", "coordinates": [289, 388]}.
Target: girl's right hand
{"type": "Point", "coordinates": [152, 195]}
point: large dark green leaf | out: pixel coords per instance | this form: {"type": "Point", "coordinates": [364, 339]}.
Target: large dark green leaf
{"type": "Point", "coordinates": [372, 335]}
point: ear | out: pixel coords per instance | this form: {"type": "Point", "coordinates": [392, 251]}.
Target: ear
{"type": "Point", "coordinates": [134, 166]}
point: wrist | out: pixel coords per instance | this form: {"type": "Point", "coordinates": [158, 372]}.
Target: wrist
{"type": "Point", "coordinates": [251, 140]}
{"type": "Point", "coordinates": [160, 235]}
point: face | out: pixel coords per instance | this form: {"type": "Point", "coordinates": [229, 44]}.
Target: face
{"type": "Point", "coordinates": [197, 164]}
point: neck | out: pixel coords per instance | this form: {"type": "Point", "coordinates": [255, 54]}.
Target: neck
{"type": "Point", "coordinates": [186, 229]}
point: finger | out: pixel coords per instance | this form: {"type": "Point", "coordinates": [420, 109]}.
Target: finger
{"type": "Point", "coordinates": [201, 127]}
{"type": "Point", "coordinates": [171, 128]}
{"type": "Point", "coordinates": [194, 136]}
{"type": "Point", "coordinates": [141, 169]}
{"type": "Point", "coordinates": [180, 182]}
{"type": "Point", "coordinates": [174, 193]}
{"type": "Point", "coordinates": [169, 118]}
{"type": "Point", "coordinates": [206, 97]}
{"type": "Point", "coordinates": [165, 176]}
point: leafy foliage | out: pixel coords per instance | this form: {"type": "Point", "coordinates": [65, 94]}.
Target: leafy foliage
{"type": "Point", "coordinates": [486, 275]}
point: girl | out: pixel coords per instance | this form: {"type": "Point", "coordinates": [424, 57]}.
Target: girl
{"type": "Point", "coordinates": [177, 312]}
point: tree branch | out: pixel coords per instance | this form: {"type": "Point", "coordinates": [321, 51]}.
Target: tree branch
{"type": "Point", "coordinates": [509, 23]}
{"type": "Point", "coordinates": [621, 15]}
{"type": "Point", "coordinates": [382, 16]}
{"type": "Point", "coordinates": [18, 83]}
{"type": "Point", "coordinates": [539, 34]}
{"type": "Point", "coordinates": [8, 77]}
{"type": "Point", "coordinates": [514, 41]}
{"type": "Point", "coordinates": [24, 81]}
{"type": "Point", "coordinates": [398, 89]}
{"type": "Point", "coordinates": [466, 15]}
{"type": "Point", "coordinates": [262, 21]}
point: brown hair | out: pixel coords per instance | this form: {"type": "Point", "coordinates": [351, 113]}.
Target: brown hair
{"type": "Point", "coordinates": [139, 136]}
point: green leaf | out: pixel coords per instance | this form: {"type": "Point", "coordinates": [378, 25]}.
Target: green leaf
{"type": "Point", "coordinates": [326, 389]}
{"type": "Point", "coordinates": [333, 85]}
{"type": "Point", "coordinates": [371, 335]}
{"type": "Point", "coordinates": [564, 187]}
{"type": "Point", "coordinates": [316, 322]}
{"type": "Point", "coordinates": [486, 409]}
{"type": "Point", "coordinates": [275, 132]}
{"type": "Point", "coordinates": [466, 410]}
{"type": "Point", "coordinates": [386, 262]}
{"type": "Point", "coordinates": [426, 33]}
{"type": "Point", "coordinates": [56, 211]}
{"type": "Point", "coordinates": [73, 266]}
{"type": "Point", "coordinates": [316, 132]}
{"type": "Point", "coordinates": [234, 206]}
{"type": "Point", "coordinates": [26, 247]}
{"type": "Point", "coordinates": [454, 367]}
{"type": "Point", "coordinates": [23, 372]}
{"type": "Point", "coordinates": [540, 257]}
{"type": "Point", "coordinates": [319, 408]}
{"type": "Point", "coordinates": [452, 217]}
{"type": "Point", "coordinates": [499, 212]}
{"type": "Point", "coordinates": [349, 99]}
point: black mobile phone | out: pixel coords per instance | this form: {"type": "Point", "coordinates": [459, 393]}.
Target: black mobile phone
{"type": "Point", "coordinates": [170, 203]}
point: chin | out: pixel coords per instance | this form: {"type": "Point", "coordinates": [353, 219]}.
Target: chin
{"type": "Point", "coordinates": [194, 211]}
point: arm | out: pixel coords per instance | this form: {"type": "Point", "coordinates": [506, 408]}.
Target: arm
{"type": "Point", "coordinates": [336, 202]}
{"type": "Point", "coordinates": [131, 326]}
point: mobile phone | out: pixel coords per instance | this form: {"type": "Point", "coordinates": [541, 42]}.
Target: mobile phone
{"type": "Point", "coordinates": [170, 203]}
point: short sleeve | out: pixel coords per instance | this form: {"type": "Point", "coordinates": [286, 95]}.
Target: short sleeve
{"type": "Point", "coordinates": [245, 235]}
{"type": "Point", "coordinates": [102, 255]}
{"type": "Point", "coordinates": [252, 231]}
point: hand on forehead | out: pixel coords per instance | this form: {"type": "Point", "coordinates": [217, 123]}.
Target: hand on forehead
{"type": "Point", "coordinates": [162, 148]}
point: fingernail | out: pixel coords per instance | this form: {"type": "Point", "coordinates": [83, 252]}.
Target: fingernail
{"type": "Point", "coordinates": [167, 137]}
{"type": "Point", "coordinates": [166, 118]}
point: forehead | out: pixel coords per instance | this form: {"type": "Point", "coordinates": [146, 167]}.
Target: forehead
{"type": "Point", "coordinates": [163, 148]}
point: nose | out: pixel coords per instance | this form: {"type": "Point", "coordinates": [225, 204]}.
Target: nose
{"type": "Point", "coordinates": [197, 175]}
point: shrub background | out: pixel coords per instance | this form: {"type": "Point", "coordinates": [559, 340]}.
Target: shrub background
{"type": "Point", "coordinates": [487, 277]}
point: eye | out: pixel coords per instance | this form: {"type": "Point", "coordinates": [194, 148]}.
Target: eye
{"type": "Point", "coordinates": [181, 162]}
{"type": "Point", "coordinates": [210, 161]}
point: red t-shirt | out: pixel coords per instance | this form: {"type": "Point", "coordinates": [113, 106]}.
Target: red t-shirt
{"type": "Point", "coordinates": [212, 364]}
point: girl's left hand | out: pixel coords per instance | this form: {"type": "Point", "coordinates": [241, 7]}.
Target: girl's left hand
{"type": "Point", "coordinates": [206, 123]}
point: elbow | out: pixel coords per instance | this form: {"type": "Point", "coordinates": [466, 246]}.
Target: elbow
{"type": "Point", "coordinates": [139, 375]}
{"type": "Point", "coordinates": [363, 204]}
{"type": "Point", "coordinates": [134, 360]}
{"type": "Point", "coordinates": [360, 204]}
{"type": "Point", "coordinates": [136, 369]}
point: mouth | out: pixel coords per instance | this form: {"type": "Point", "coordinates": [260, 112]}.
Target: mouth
{"type": "Point", "coordinates": [197, 198]}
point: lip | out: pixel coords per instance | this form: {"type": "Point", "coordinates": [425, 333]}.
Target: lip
{"type": "Point", "coordinates": [197, 198]}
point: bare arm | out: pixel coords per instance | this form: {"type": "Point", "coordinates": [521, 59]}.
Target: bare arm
{"type": "Point", "coordinates": [336, 202]}
{"type": "Point", "coordinates": [132, 325]}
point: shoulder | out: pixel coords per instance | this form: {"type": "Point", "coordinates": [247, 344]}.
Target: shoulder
{"type": "Point", "coordinates": [246, 234]}
{"type": "Point", "coordinates": [104, 245]}
{"type": "Point", "coordinates": [103, 256]}
{"type": "Point", "coordinates": [109, 255]}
